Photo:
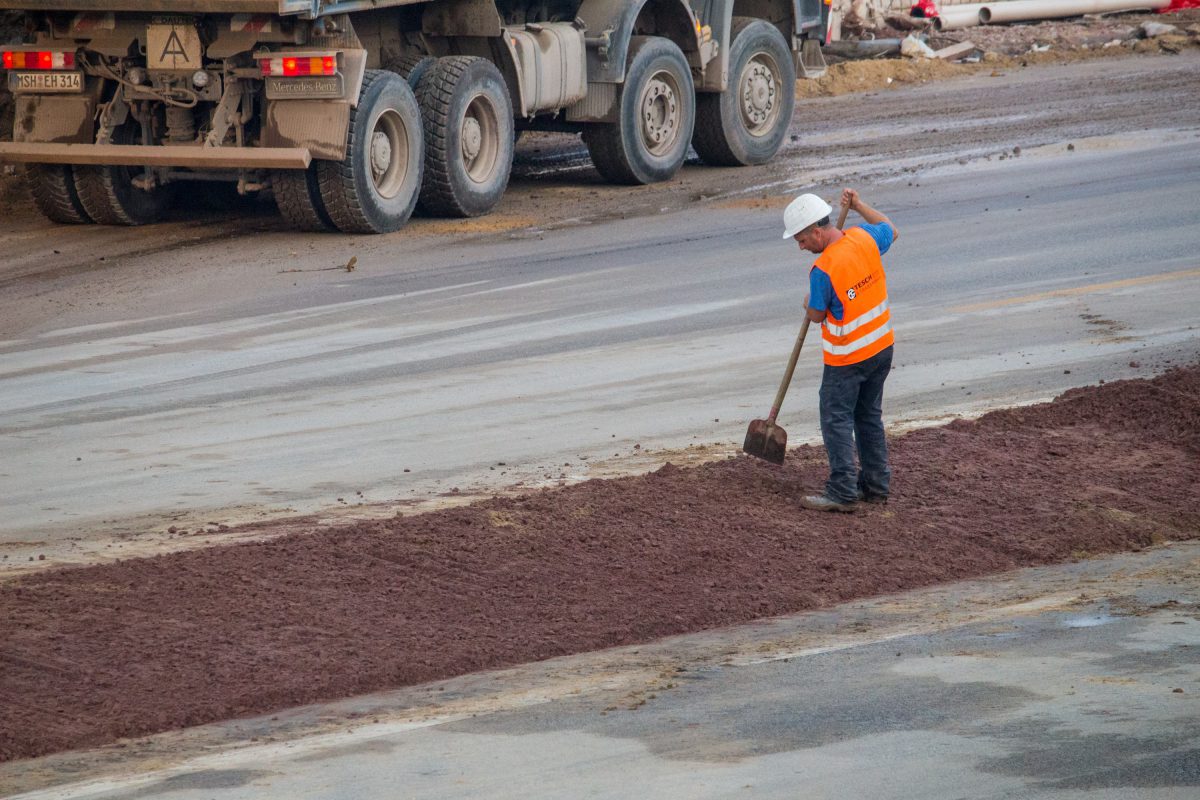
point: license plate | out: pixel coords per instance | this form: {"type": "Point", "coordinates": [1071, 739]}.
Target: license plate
{"type": "Point", "coordinates": [325, 86]}
{"type": "Point", "coordinates": [45, 82]}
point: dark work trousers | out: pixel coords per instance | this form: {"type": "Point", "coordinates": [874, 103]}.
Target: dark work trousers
{"type": "Point", "coordinates": [852, 414]}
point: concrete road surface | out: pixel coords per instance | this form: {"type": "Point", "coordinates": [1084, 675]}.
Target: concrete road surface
{"type": "Point", "coordinates": [1063, 683]}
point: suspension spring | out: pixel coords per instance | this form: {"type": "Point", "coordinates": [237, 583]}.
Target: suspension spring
{"type": "Point", "coordinates": [181, 124]}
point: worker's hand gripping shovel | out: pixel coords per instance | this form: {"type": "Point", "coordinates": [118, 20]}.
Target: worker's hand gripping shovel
{"type": "Point", "coordinates": [765, 439]}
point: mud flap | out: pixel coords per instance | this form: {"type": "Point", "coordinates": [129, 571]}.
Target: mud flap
{"type": "Point", "coordinates": [62, 119]}
{"type": "Point", "coordinates": [318, 125]}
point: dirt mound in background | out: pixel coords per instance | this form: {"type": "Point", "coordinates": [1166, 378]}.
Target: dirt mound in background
{"type": "Point", "coordinates": [861, 76]}
{"type": "Point", "coordinates": [98, 653]}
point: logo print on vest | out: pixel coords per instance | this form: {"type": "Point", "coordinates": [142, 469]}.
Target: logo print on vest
{"type": "Point", "coordinates": [851, 293]}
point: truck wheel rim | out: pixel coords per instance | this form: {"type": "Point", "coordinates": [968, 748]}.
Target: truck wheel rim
{"type": "Point", "coordinates": [758, 93]}
{"type": "Point", "coordinates": [660, 113]}
{"type": "Point", "coordinates": [388, 154]}
{"type": "Point", "coordinates": [480, 139]}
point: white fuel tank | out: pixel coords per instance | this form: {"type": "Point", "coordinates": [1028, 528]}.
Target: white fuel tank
{"type": "Point", "coordinates": [550, 63]}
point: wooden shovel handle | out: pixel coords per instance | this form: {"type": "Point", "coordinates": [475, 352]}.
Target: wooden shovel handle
{"type": "Point", "coordinates": [842, 216]}
{"type": "Point", "coordinates": [787, 376]}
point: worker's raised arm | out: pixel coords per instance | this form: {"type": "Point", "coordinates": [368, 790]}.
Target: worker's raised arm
{"type": "Point", "coordinates": [871, 215]}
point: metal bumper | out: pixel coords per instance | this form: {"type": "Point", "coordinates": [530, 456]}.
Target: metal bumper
{"type": "Point", "coordinates": [156, 155]}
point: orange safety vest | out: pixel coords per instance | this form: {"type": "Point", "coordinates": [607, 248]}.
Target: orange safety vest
{"type": "Point", "coordinates": [856, 272]}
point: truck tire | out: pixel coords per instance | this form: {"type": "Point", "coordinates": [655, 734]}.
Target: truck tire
{"type": "Point", "coordinates": [658, 113]}
{"type": "Point", "coordinates": [746, 123]}
{"type": "Point", "coordinates": [53, 189]}
{"type": "Point", "coordinates": [298, 197]}
{"type": "Point", "coordinates": [374, 190]}
{"type": "Point", "coordinates": [412, 67]}
{"type": "Point", "coordinates": [468, 136]}
{"type": "Point", "coordinates": [108, 195]}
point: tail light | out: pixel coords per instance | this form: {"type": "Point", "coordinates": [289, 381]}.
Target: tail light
{"type": "Point", "coordinates": [297, 66]}
{"type": "Point", "coordinates": [39, 59]}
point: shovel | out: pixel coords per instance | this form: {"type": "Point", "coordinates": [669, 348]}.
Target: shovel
{"type": "Point", "coordinates": [765, 439]}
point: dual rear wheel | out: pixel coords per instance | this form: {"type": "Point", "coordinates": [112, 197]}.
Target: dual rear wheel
{"type": "Point", "coordinates": [77, 195]}
{"type": "Point", "coordinates": [657, 114]}
{"type": "Point", "coordinates": [374, 189]}
{"type": "Point", "coordinates": [53, 189]}
{"type": "Point", "coordinates": [448, 144]}
{"type": "Point", "coordinates": [468, 136]}
{"type": "Point", "coordinates": [660, 112]}
{"type": "Point", "coordinates": [747, 122]}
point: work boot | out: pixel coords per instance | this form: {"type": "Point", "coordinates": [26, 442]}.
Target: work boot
{"type": "Point", "coordinates": [873, 499]}
{"type": "Point", "coordinates": [819, 502]}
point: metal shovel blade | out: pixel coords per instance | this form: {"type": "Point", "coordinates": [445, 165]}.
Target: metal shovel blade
{"type": "Point", "coordinates": [765, 440]}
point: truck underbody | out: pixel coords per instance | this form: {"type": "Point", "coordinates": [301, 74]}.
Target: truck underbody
{"type": "Point", "coordinates": [351, 114]}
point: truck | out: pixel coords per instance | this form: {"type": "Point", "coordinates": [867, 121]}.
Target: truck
{"type": "Point", "coordinates": [351, 112]}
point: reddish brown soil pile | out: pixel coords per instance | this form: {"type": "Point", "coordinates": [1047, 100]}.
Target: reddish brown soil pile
{"type": "Point", "coordinates": [93, 654]}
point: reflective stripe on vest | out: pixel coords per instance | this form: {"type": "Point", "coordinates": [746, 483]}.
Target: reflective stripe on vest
{"type": "Point", "coordinates": [855, 324]}
{"type": "Point", "coordinates": [859, 344]}
{"type": "Point", "coordinates": [856, 273]}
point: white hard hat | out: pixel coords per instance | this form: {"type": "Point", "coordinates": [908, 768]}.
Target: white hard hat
{"type": "Point", "coordinates": [802, 212]}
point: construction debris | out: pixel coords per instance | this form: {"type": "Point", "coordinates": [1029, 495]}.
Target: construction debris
{"type": "Point", "coordinates": [1039, 42]}
{"type": "Point", "coordinates": [854, 49]}
{"type": "Point", "coordinates": [904, 22]}
{"type": "Point", "coordinates": [1047, 40]}
{"type": "Point", "coordinates": [912, 47]}
{"type": "Point", "coordinates": [955, 51]}
{"type": "Point", "coordinates": [1151, 29]}
{"type": "Point", "coordinates": [954, 17]}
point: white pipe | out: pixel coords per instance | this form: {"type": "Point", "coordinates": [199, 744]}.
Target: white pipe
{"type": "Point", "coordinates": [1021, 10]}
{"type": "Point", "coordinates": [952, 18]}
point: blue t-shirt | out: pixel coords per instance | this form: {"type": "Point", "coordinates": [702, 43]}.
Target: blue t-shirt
{"type": "Point", "coordinates": [820, 288]}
